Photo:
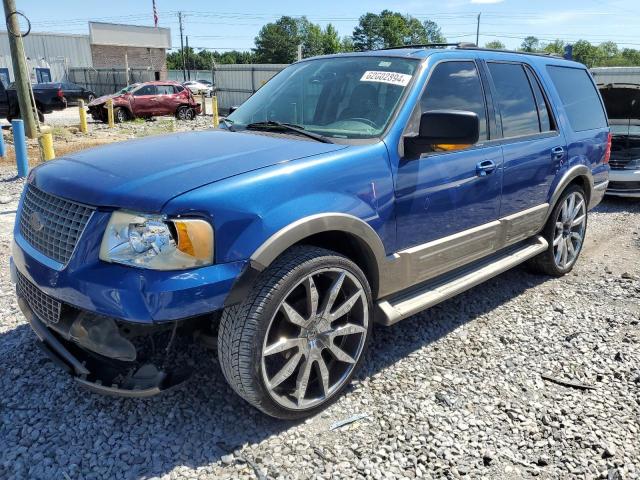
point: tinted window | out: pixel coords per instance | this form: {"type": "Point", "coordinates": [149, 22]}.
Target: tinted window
{"type": "Point", "coordinates": [165, 89]}
{"type": "Point", "coordinates": [178, 88]}
{"type": "Point", "coordinates": [456, 86]}
{"type": "Point", "coordinates": [515, 100]}
{"type": "Point", "coordinates": [146, 90]}
{"type": "Point", "coordinates": [543, 109]}
{"type": "Point", "coordinates": [579, 97]}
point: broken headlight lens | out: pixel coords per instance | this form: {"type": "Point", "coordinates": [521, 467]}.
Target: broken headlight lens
{"type": "Point", "coordinates": [157, 243]}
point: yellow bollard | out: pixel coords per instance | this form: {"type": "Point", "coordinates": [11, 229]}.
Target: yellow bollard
{"type": "Point", "coordinates": [214, 106]}
{"type": "Point", "coordinates": [83, 117]}
{"type": "Point", "coordinates": [46, 144]}
{"type": "Point", "coordinates": [110, 112]}
{"type": "Point", "coordinates": [203, 102]}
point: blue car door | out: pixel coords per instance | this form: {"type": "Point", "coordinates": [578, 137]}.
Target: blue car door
{"type": "Point", "coordinates": [451, 189]}
{"type": "Point", "coordinates": [533, 148]}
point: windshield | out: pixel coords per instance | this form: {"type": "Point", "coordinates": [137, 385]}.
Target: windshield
{"type": "Point", "coordinates": [340, 97]}
{"type": "Point", "coordinates": [129, 88]}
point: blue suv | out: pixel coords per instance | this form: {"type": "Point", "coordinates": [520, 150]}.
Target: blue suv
{"type": "Point", "coordinates": [350, 189]}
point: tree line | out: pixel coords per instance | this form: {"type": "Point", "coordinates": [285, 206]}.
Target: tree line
{"type": "Point", "coordinates": [277, 42]}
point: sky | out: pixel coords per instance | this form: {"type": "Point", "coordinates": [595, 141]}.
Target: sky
{"type": "Point", "coordinates": [234, 25]}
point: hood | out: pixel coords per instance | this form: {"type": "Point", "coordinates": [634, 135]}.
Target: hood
{"type": "Point", "coordinates": [622, 100]}
{"type": "Point", "coordinates": [144, 174]}
{"type": "Point", "coordinates": [102, 99]}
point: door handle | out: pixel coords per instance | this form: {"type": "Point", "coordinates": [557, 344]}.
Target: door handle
{"type": "Point", "coordinates": [485, 168]}
{"type": "Point", "coordinates": [557, 153]}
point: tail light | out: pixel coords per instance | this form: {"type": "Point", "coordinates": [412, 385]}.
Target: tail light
{"type": "Point", "coordinates": [60, 93]}
{"type": "Point", "coordinates": [607, 151]}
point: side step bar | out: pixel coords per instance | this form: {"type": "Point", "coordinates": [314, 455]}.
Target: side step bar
{"type": "Point", "coordinates": [398, 307]}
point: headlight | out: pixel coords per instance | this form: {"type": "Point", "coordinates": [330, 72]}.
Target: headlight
{"type": "Point", "coordinates": [157, 243]}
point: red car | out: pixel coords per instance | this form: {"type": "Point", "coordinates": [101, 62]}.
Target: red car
{"type": "Point", "coordinates": [147, 100]}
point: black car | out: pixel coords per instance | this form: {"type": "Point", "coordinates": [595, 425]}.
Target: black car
{"type": "Point", "coordinates": [48, 97]}
{"type": "Point", "coordinates": [74, 93]}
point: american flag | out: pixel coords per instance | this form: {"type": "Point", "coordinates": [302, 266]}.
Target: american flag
{"type": "Point", "coordinates": [155, 14]}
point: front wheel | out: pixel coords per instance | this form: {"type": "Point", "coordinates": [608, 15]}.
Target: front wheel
{"type": "Point", "coordinates": [296, 340]}
{"type": "Point", "coordinates": [185, 113]}
{"type": "Point", "coordinates": [121, 115]}
{"type": "Point", "coordinates": [565, 231]}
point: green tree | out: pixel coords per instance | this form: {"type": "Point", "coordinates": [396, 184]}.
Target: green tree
{"type": "Point", "coordinates": [311, 38]}
{"type": "Point", "coordinates": [530, 44]}
{"type": "Point", "coordinates": [330, 40]}
{"type": "Point", "coordinates": [392, 29]}
{"type": "Point", "coordinates": [556, 47]}
{"type": "Point", "coordinates": [346, 44]}
{"type": "Point", "coordinates": [278, 42]}
{"type": "Point", "coordinates": [495, 45]}
{"type": "Point", "coordinates": [433, 33]}
{"type": "Point", "coordinates": [586, 53]}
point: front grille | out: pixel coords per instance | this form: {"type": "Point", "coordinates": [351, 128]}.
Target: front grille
{"type": "Point", "coordinates": [52, 225]}
{"type": "Point", "coordinates": [618, 163]}
{"type": "Point", "coordinates": [624, 185]}
{"type": "Point", "coordinates": [46, 308]}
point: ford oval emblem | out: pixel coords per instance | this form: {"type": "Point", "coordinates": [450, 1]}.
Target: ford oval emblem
{"type": "Point", "coordinates": [35, 221]}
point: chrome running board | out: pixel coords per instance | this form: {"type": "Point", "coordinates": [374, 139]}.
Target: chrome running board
{"type": "Point", "coordinates": [400, 306]}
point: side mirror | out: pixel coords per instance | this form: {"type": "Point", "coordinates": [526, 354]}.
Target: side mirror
{"type": "Point", "coordinates": [233, 108]}
{"type": "Point", "coordinates": [451, 127]}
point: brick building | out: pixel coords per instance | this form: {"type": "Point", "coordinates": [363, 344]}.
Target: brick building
{"type": "Point", "coordinates": [130, 46]}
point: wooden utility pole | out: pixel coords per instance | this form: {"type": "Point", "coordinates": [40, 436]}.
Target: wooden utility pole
{"type": "Point", "coordinates": [20, 69]}
{"type": "Point", "coordinates": [184, 71]}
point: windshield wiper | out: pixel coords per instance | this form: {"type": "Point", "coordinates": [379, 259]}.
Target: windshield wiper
{"type": "Point", "coordinates": [228, 123]}
{"type": "Point", "coordinates": [274, 125]}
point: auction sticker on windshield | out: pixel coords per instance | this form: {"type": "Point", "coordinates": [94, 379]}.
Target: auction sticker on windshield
{"type": "Point", "coordinates": [386, 77]}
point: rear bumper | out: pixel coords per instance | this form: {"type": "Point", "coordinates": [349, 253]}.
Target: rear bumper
{"type": "Point", "coordinates": [624, 183]}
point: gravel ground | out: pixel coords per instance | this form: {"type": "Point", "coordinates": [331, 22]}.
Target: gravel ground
{"type": "Point", "coordinates": [459, 390]}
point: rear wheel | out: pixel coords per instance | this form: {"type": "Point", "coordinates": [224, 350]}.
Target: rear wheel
{"type": "Point", "coordinates": [185, 113]}
{"type": "Point", "coordinates": [565, 231]}
{"type": "Point", "coordinates": [297, 339]}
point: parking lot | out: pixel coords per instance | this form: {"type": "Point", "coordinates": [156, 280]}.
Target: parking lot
{"type": "Point", "coordinates": [524, 376]}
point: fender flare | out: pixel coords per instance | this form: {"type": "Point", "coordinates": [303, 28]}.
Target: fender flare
{"type": "Point", "coordinates": [577, 171]}
{"type": "Point", "coordinates": [297, 231]}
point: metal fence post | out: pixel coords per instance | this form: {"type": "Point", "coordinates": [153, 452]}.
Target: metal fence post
{"type": "Point", "coordinates": [214, 107]}
{"type": "Point", "coordinates": [110, 112]}
{"type": "Point", "coordinates": [46, 144]}
{"type": "Point", "coordinates": [83, 117]}
{"type": "Point", "coordinates": [20, 144]}
{"type": "Point", "coordinates": [3, 148]}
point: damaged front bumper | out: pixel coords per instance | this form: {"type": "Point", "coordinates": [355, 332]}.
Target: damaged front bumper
{"type": "Point", "coordinates": [113, 358]}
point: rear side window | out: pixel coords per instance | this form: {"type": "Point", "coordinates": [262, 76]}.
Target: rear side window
{"type": "Point", "coordinates": [579, 97]}
{"type": "Point", "coordinates": [517, 104]}
{"type": "Point", "coordinates": [546, 122]}
{"type": "Point", "coordinates": [165, 89]}
{"type": "Point", "coordinates": [456, 86]}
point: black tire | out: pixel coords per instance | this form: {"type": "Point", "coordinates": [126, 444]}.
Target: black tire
{"type": "Point", "coordinates": [90, 98]}
{"type": "Point", "coordinates": [545, 262]}
{"type": "Point", "coordinates": [185, 113]}
{"type": "Point", "coordinates": [243, 327]}
{"type": "Point", "coordinates": [121, 115]}
{"type": "Point", "coordinates": [40, 116]}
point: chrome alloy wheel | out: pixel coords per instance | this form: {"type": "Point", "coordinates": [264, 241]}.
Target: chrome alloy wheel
{"type": "Point", "coordinates": [569, 232]}
{"type": "Point", "coordinates": [315, 338]}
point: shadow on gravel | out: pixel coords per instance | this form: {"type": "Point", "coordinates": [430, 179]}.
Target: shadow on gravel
{"type": "Point", "coordinates": [618, 205]}
{"type": "Point", "coordinates": [49, 427]}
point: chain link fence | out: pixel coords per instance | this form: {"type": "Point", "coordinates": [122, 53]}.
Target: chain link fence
{"type": "Point", "coordinates": [104, 81]}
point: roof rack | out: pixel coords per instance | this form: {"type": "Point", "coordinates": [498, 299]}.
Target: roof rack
{"type": "Point", "coordinates": [432, 45]}
{"type": "Point", "coordinates": [471, 46]}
